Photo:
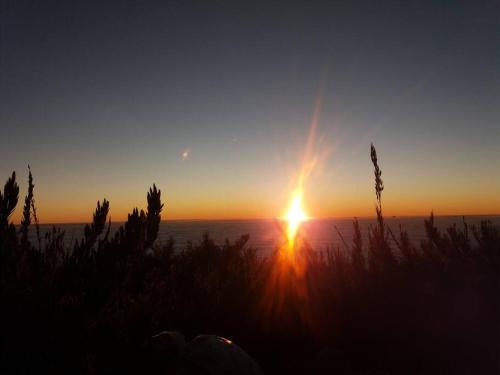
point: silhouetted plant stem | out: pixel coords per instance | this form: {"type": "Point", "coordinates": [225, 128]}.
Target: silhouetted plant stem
{"type": "Point", "coordinates": [357, 257]}
{"type": "Point", "coordinates": [380, 251]}
{"type": "Point", "coordinates": [379, 187]}
{"type": "Point", "coordinates": [33, 208]}
{"type": "Point", "coordinates": [341, 237]}
{"type": "Point", "coordinates": [153, 215]}
{"type": "Point", "coordinates": [8, 200]}
{"type": "Point", "coordinates": [26, 219]}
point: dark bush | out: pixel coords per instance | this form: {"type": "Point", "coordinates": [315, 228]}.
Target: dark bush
{"type": "Point", "coordinates": [390, 306]}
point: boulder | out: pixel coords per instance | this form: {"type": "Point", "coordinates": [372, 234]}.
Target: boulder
{"type": "Point", "coordinates": [210, 354]}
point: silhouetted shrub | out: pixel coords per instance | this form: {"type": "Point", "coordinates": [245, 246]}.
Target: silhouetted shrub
{"type": "Point", "coordinates": [95, 306]}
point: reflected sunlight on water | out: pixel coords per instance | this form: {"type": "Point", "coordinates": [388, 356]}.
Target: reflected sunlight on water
{"type": "Point", "coordinates": [265, 234]}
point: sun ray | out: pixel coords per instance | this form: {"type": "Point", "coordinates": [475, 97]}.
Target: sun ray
{"type": "Point", "coordinates": [294, 217]}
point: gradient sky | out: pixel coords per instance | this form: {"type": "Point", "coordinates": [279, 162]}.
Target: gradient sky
{"type": "Point", "coordinates": [103, 100]}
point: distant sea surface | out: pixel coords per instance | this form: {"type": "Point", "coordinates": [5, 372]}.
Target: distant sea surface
{"type": "Point", "coordinates": [265, 234]}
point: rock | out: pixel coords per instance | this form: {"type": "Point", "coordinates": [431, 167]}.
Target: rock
{"type": "Point", "coordinates": [168, 341]}
{"type": "Point", "coordinates": [210, 354]}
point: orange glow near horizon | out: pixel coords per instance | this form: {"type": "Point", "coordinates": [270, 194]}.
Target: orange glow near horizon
{"type": "Point", "coordinates": [337, 204]}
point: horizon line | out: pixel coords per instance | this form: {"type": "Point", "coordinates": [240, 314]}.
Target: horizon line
{"type": "Point", "coordinates": [280, 218]}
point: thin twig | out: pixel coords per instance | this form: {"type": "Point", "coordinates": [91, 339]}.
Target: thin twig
{"type": "Point", "coordinates": [341, 237]}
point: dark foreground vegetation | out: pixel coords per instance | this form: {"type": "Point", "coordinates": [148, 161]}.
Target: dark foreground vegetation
{"type": "Point", "coordinates": [382, 307]}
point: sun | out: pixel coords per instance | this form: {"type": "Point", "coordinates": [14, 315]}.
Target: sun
{"type": "Point", "coordinates": [295, 216]}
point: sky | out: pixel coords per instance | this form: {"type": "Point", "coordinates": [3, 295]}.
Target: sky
{"type": "Point", "coordinates": [213, 101]}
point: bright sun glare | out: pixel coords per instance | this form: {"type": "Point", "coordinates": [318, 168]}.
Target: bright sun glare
{"type": "Point", "coordinates": [295, 216]}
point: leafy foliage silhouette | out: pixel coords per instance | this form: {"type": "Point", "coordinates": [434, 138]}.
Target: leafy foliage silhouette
{"type": "Point", "coordinates": [390, 306]}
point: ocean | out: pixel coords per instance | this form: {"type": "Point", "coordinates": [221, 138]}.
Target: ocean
{"type": "Point", "coordinates": [265, 234]}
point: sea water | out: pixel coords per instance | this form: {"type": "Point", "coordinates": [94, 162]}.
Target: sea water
{"type": "Point", "coordinates": [266, 233]}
